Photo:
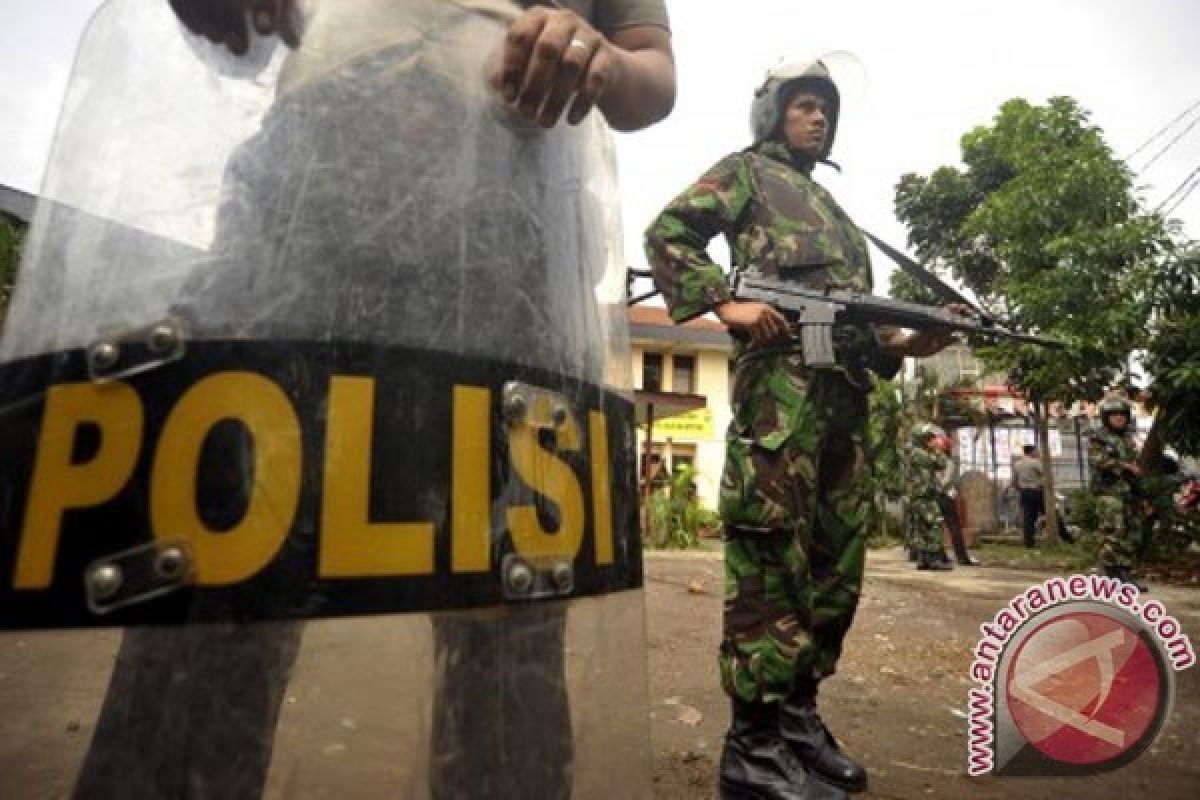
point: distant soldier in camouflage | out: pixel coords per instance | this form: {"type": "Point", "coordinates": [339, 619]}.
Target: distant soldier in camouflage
{"type": "Point", "coordinates": [1115, 479]}
{"type": "Point", "coordinates": [792, 499]}
{"type": "Point", "coordinates": [926, 523]}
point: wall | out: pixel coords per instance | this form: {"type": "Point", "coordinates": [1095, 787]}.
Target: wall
{"type": "Point", "coordinates": [712, 381]}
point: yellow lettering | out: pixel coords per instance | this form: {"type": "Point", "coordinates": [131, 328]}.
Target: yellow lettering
{"type": "Point", "coordinates": [351, 545]}
{"type": "Point", "coordinates": [554, 479]}
{"type": "Point", "coordinates": [601, 496]}
{"type": "Point", "coordinates": [58, 483]}
{"type": "Point", "coordinates": [471, 510]}
{"type": "Point", "coordinates": [239, 553]}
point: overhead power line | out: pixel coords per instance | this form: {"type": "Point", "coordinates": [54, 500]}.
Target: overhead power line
{"type": "Point", "coordinates": [1171, 143]}
{"type": "Point", "coordinates": [1179, 188]}
{"type": "Point", "coordinates": [1163, 129]}
{"type": "Point", "coordinates": [1194, 185]}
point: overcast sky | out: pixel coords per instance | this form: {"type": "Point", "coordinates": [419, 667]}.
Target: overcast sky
{"type": "Point", "coordinates": [934, 69]}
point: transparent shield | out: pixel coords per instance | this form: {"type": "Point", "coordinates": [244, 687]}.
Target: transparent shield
{"type": "Point", "coordinates": [314, 399]}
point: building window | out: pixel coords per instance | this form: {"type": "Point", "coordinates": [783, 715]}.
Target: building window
{"type": "Point", "coordinates": [683, 374]}
{"type": "Point", "coordinates": [652, 372]}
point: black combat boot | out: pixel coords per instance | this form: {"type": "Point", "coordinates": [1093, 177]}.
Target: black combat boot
{"type": "Point", "coordinates": [927, 560]}
{"type": "Point", "coordinates": [757, 764]}
{"type": "Point", "coordinates": [803, 729]}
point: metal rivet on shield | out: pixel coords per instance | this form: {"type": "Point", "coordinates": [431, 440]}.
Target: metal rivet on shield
{"type": "Point", "coordinates": [515, 406]}
{"type": "Point", "coordinates": [564, 577]}
{"type": "Point", "coordinates": [520, 578]}
{"type": "Point", "coordinates": [105, 580]}
{"type": "Point", "coordinates": [103, 356]}
{"type": "Point", "coordinates": [171, 562]}
{"type": "Point", "coordinates": [162, 338]}
{"type": "Point", "coordinates": [560, 414]}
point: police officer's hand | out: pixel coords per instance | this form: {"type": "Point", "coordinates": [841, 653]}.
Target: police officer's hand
{"type": "Point", "coordinates": [761, 322]}
{"type": "Point", "coordinates": [553, 57]}
{"type": "Point", "coordinates": [229, 22]}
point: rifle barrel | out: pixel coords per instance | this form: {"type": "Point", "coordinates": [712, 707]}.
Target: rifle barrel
{"type": "Point", "coordinates": [861, 306]}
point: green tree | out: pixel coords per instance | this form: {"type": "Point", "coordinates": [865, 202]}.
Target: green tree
{"type": "Point", "coordinates": [11, 237]}
{"type": "Point", "coordinates": [1172, 356]}
{"type": "Point", "coordinates": [1042, 224]}
{"type": "Point", "coordinates": [887, 433]}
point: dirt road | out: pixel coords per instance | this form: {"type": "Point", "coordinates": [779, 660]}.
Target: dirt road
{"type": "Point", "coordinates": [348, 729]}
{"type": "Point", "coordinates": [899, 699]}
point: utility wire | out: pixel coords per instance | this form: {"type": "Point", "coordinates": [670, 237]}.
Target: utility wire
{"type": "Point", "coordinates": [1171, 143]}
{"type": "Point", "coordinates": [1163, 129]}
{"type": "Point", "coordinates": [1179, 202]}
{"type": "Point", "coordinates": [1184, 196]}
{"type": "Point", "coordinates": [1183, 183]}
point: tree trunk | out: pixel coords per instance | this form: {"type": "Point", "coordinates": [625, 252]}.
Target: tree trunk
{"type": "Point", "coordinates": [1151, 459]}
{"type": "Point", "coordinates": [1041, 423]}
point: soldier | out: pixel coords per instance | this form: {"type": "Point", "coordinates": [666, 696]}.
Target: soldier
{"type": "Point", "coordinates": [926, 523]}
{"type": "Point", "coordinates": [1115, 479]}
{"type": "Point", "coordinates": [791, 497]}
{"type": "Point", "coordinates": [948, 502]}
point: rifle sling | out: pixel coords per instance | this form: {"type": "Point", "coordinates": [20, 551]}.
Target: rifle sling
{"type": "Point", "coordinates": [922, 276]}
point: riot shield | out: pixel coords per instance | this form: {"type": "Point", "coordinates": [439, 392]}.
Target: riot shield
{"type": "Point", "coordinates": [317, 474]}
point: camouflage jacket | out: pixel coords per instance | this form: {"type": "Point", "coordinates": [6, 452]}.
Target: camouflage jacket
{"type": "Point", "coordinates": [924, 472]}
{"type": "Point", "coordinates": [1106, 452]}
{"type": "Point", "coordinates": [779, 222]}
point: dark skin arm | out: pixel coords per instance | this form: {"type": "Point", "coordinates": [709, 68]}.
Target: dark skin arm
{"type": "Point", "coordinates": [553, 61]}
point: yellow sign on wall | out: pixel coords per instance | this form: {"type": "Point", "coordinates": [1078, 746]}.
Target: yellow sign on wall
{"type": "Point", "coordinates": [694, 424]}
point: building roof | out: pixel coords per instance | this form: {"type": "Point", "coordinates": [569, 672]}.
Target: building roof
{"type": "Point", "coordinates": [652, 323]}
{"type": "Point", "coordinates": [15, 203]}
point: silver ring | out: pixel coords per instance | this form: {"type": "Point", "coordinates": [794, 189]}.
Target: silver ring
{"type": "Point", "coordinates": [579, 43]}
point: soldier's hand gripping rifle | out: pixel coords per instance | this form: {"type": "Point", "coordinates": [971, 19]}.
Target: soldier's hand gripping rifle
{"type": "Point", "coordinates": [816, 311]}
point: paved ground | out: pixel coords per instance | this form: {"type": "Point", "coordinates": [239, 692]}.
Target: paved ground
{"type": "Point", "coordinates": [899, 700]}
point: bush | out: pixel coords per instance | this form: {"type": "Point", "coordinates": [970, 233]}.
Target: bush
{"type": "Point", "coordinates": [1169, 532]}
{"type": "Point", "coordinates": [1083, 511]}
{"type": "Point", "coordinates": [673, 514]}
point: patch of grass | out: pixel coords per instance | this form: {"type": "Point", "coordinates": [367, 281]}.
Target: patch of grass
{"type": "Point", "coordinates": [1048, 556]}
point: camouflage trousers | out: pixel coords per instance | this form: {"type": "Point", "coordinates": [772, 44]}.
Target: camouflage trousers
{"type": "Point", "coordinates": [794, 510]}
{"type": "Point", "coordinates": [1121, 531]}
{"type": "Point", "coordinates": [925, 524]}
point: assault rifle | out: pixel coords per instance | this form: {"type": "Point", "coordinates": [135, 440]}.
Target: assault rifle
{"type": "Point", "coordinates": [816, 311]}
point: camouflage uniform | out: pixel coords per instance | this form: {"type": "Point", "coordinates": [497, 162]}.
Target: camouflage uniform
{"type": "Point", "coordinates": [925, 516]}
{"type": "Point", "coordinates": [791, 494]}
{"type": "Point", "coordinates": [1121, 526]}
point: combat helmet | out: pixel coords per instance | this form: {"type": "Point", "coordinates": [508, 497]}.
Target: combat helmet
{"type": "Point", "coordinates": [1114, 404]}
{"type": "Point", "coordinates": [925, 433]}
{"type": "Point", "coordinates": [766, 110]}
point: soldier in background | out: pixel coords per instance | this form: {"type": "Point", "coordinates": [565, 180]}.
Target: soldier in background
{"type": "Point", "coordinates": [791, 497]}
{"type": "Point", "coordinates": [926, 523]}
{"type": "Point", "coordinates": [1115, 480]}
{"type": "Point", "coordinates": [948, 487]}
